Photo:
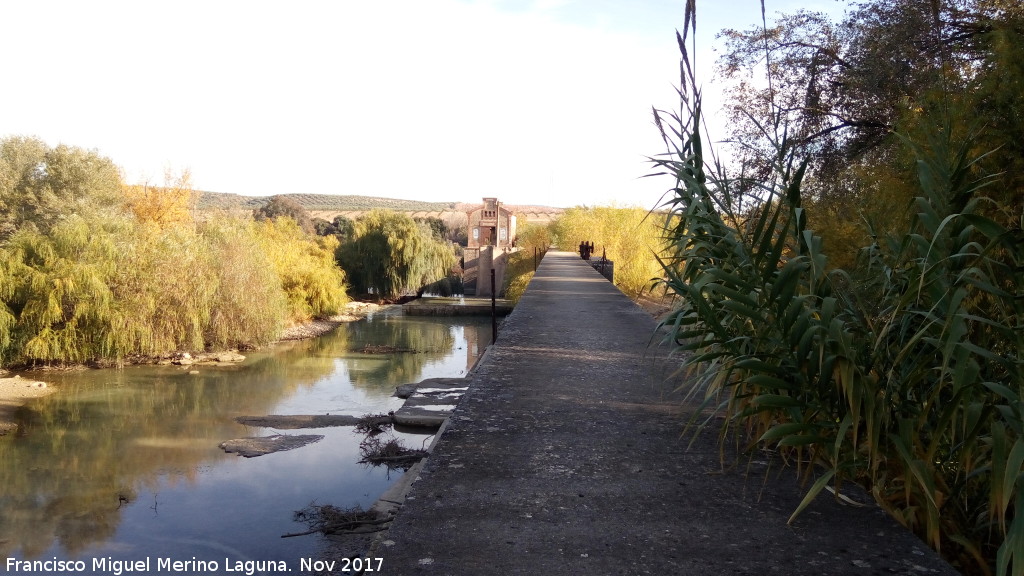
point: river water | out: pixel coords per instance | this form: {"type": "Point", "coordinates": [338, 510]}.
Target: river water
{"type": "Point", "coordinates": [124, 464]}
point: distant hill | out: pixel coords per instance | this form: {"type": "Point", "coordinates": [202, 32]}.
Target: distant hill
{"type": "Point", "coordinates": [327, 206]}
{"type": "Point", "coordinates": [320, 203]}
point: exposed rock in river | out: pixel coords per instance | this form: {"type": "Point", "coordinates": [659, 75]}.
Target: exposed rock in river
{"type": "Point", "coordinates": [252, 447]}
{"type": "Point", "coordinates": [292, 422]}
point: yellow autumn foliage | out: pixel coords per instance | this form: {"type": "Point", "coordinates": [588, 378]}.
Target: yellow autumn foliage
{"type": "Point", "coordinates": [312, 281]}
{"type": "Point", "coordinates": [628, 236]}
{"type": "Point", "coordinates": [167, 205]}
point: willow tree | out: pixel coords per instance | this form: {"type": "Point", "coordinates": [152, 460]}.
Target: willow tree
{"type": "Point", "coordinates": [534, 235]}
{"type": "Point", "coordinates": [59, 292]}
{"type": "Point", "coordinates": [250, 305]}
{"type": "Point", "coordinates": [312, 282]}
{"type": "Point", "coordinates": [61, 222]}
{"type": "Point", "coordinates": [389, 254]}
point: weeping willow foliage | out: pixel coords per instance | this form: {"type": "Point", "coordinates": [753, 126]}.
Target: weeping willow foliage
{"type": "Point", "coordinates": [7, 319]}
{"type": "Point", "coordinates": [104, 289]}
{"type": "Point", "coordinates": [518, 272]}
{"type": "Point", "coordinates": [533, 240]}
{"type": "Point", "coordinates": [533, 235]}
{"type": "Point", "coordinates": [92, 270]}
{"type": "Point", "coordinates": [312, 282]}
{"type": "Point", "coordinates": [389, 255]}
{"type": "Point", "coordinates": [905, 377]}
{"type": "Point", "coordinates": [58, 291]}
{"type": "Point", "coordinates": [626, 235]}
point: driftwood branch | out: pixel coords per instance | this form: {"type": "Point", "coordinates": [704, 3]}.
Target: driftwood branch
{"type": "Point", "coordinates": [329, 519]}
{"type": "Point", "coordinates": [342, 527]}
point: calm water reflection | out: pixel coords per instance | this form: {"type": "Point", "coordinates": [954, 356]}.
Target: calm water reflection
{"type": "Point", "coordinates": [125, 463]}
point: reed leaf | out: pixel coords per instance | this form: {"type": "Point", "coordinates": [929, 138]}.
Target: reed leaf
{"type": "Point", "coordinates": [903, 375]}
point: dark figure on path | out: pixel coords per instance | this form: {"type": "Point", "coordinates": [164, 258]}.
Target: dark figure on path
{"type": "Point", "coordinates": [586, 249]}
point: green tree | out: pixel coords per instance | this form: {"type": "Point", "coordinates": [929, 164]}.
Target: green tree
{"type": "Point", "coordinates": [438, 228]}
{"type": "Point", "coordinates": [840, 91]}
{"type": "Point", "coordinates": [341, 227]}
{"type": "Point", "coordinates": [279, 206]}
{"type": "Point", "coordinates": [306, 268]}
{"type": "Point", "coordinates": [390, 255]}
{"type": "Point", "coordinates": [40, 185]}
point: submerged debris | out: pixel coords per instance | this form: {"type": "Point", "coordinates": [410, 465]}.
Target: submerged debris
{"type": "Point", "coordinates": [329, 519]}
{"type": "Point", "coordinates": [374, 423]}
{"type": "Point", "coordinates": [383, 349]}
{"type": "Point", "coordinates": [298, 421]}
{"type": "Point", "coordinates": [390, 453]}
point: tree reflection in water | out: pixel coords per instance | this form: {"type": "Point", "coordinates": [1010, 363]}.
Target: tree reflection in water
{"type": "Point", "coordinates": [84, 454]}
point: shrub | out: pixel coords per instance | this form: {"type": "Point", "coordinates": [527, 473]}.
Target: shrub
{"type": "Point", "coordinates": [249, 305]}
{"type": "Point", "coordinates": [164, 287]}
{"type": "Point", "coordinates": [518, 273]}
{"type": "Point", "coordinates": [285, 207]}
{"type": "Point", "coordinates": [59, 303]}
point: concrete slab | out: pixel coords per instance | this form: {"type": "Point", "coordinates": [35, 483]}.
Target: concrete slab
{"type": "Point", "coordinates": [567, 456]}
{"type": "Point", "coordinates": [253, 447]}
{"type": "Point", "coordinates": [298, 421]}
{"type": "Point", "coordinates": [430, 402]}
{"type": "Point", "coordinates": [457, 306]}
{"type": "Point", "coordinates": [430, 384]}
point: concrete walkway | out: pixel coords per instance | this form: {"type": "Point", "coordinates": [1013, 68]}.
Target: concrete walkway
{"type": "Point", "coordinates": [566, 457]}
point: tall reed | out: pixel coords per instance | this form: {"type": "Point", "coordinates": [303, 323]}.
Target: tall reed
{"type": "Point", "coordinates": [904, 376]}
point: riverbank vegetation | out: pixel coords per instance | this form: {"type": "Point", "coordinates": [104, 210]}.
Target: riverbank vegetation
{"type": "Point", "coordinates": [96, 271]}
{"type": "Point", "coordinates": [390, 254]}
{"type": "Point", "coordinates": [627, 236]}
{"type": "Point", "coordinates": [533, 241]}
{"type": "Point", "coordinates": [92, 270]}
{"type": "Point", "coordinates": [897, 365]}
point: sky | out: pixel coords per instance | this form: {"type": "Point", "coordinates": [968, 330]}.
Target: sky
{"type": "Point", "coordinates": [544, 102]}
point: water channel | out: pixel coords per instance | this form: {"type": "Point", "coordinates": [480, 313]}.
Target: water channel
{"type": "Point", "coordinates": [125, 463]}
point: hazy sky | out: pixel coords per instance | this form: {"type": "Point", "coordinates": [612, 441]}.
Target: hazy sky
{"type": "Point", "coordinates": [533, 101]}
